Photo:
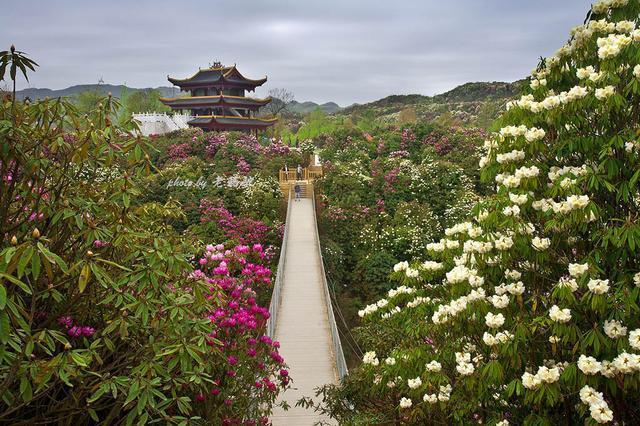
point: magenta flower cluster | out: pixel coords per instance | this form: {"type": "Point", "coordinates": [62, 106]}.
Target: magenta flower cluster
{"type": "Point", "coordinates": [237, 276]}
{"type": "Point", "coordinates": [236, 228]}
{"type": "Point", "coordinates": [75, 330]}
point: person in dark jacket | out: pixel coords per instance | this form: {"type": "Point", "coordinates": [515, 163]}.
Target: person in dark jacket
{"type": "Point", "coordinates": [297, 190]}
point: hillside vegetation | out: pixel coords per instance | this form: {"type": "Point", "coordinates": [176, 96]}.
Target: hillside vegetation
{"type": "Point", "coordinates": [470, 103]}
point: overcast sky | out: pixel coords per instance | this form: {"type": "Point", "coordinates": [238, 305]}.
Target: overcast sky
{"type": "Point", "coordinates": [332, 50]}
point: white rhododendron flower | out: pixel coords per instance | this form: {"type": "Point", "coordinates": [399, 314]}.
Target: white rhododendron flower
{"type": "Point", "coordinates": [432, 266]}
{"type": "Point", "coordinates": [412, 273]}
{"type": "Point", "coordinates": [589, 365]}
{"type": "Point", "coordinates": [569, 283]}
{"type": "Point", "coordinates": [511, 156]}
{"type": "Point", "coordinates": [390, 361]}
{"type": "Point", "coordinates": [370, 358]}
{"type": "Point", "coordinates": [511, 211]}
{"type": "Point", "coordinates": [401, 266]}
{"type": "Point", "coordinates": [406, 403]}
{"type": "Point", "coordinates": [431, 398]}
{"type": "Point", "coordinates": [605, 92]}
{"type": "Point", "coordinates": [598, 286]}
{"type": "Point", "coordinates": [634, 339]}
{"type": "Point", "coordinates": [434, 366]}
{"type": "Point", "coordinates": [584, 73]}
{"type": "Point", "coordinates": [530, 381]}
{"type": "Point", "coordinates": [559, 315]}
{"type": "Point", "coordinates": [534, 134]}
{"type": "Point", "coordinates": [548, 375]}
{"type": "Point", "coordinates": [494, 320]}
{"type": "Point", "coordinates": [512, 274]}
{"type": "Point", "coordinates": [578, 269]}
{"type": "Point", "coordinates": [518, 199]}
{"type": "Point", "coordinates": [626, 363]}
{"type": "Point", "coordinates": [499, 302]}
{"type": "Point", "coordinates": [540, 244]}
{"type": "Point", "coordinates": [614, 329]}
{"type": "Point", "coordinates": [414, 383]}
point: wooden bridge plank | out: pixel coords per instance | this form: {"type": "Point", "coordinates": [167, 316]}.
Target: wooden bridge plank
{"type": "Point", "coordinates": [303, 325]}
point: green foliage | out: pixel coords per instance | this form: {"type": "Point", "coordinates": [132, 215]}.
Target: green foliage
{"type": "Point", "coordinates": [147, 100]}
{"type": "Point", "coordinates": [84, 243]}
{"type": "Point", "coordinates": [528, 313]}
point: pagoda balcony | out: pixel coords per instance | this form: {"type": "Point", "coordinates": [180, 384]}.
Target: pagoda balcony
{"type": "Point", "coordinates": [227, 122]}
{"type": "Point", "coordinates": [217, 101]}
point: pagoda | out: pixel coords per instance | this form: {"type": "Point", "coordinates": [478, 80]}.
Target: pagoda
{"type": "Point", "coordinates": [217, 100]}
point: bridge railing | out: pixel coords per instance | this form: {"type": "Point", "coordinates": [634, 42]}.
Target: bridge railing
{"type": "Point", "coordinates": [341, 363]}
{"type": "Point", "coordinates": [277, 286]}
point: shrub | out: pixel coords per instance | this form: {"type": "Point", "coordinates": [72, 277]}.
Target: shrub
{"type": "Point", "coordinates": [528, 314]}
{"type": "Point", "coordinates": [98, 317]}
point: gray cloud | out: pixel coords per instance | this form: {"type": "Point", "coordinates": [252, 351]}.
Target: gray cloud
{"type": "Point", "coordinates": [340, 50]}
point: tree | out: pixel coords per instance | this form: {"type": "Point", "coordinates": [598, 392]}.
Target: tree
{"type": "Point", "coordinates": [88, 100]}
{"type": "Point", "coordinates": [280, 100]}
{"type": "Point", "coordinates": [147, 100]}
{"type": "Point", "coordinates": [14, 60]}
{"type": "Point", "coordinates": [528, 312]}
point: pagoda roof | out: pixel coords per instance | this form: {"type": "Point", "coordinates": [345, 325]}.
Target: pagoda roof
{"type": "Point", "coordinates": [217, 100]}
{"type": "Point", "coordinates": [229, 122]}
{"type": "Point", "coordinates": [217, 76]}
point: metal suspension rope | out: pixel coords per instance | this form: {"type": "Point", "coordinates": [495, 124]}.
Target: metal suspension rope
{"type": "Point", "coordinates": [342, 318]}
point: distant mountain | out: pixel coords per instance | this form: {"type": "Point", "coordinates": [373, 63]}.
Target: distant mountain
{"type": "Point", "coordinates": [35, 93]}
{"type": "Point", "coordinates": [116, 90]}
{"type": "Point", "coordinates": [307, 107]}
{"type": "Point", "coordinates": [482, 91]}
{"type": "Point", "coordinates": [476, 103]}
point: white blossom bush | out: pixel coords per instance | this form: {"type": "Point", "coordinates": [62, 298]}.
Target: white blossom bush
{"type": "Point", "coordinates": [530, 311]}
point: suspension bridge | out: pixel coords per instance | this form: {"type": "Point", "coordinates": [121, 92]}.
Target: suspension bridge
{"type": "Point", "coordinates": [302, 317]}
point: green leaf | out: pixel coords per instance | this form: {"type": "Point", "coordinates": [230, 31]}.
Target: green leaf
{"type": "Point", "coordinates": [97, 394]}
{"type": "Point", "coordinates": [93, 414]}
{"type": "Point", "coordinates": [35, 267]}
{"type": "Point", "coordinates": [24, 260]}
{"type": "Point", "coordinates": [133, 392]}
{"type": "Point", "coordinates": [5, 327]}
{"type": "Point", "coordinates": [52, 257]}
{"type": "Point", "coordinates": [25, 389]}
{"type": "Point", "coordinates": [3, 297]}
{"type": "Point", "coordinates": [83, 279]}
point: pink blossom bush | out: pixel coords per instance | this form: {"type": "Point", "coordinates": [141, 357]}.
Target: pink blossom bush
{"type": "Point", "coordinates": [238, 276]}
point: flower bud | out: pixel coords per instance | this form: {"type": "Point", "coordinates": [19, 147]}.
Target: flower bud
{"type": "Point", "coordinates": [89, 253]}
{"type": "Point", "coordinates": [67, 346]}
{"type": "Point", "coordinates": [14, 240]}
{"type": "Point", "coordinates": [36, 233]}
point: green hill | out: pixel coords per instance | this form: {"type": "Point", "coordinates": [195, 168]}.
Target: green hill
{"type": "Point", "coordinates": [471, 103]}
{"type": "Point", "coordinates": [115, 90]}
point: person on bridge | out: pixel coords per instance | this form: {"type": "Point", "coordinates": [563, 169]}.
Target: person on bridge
{"type": "Point", "coordinates": [299, 172]}
{"type": "Point", "coordinates": [297, 190]}
{"type": "Point", "coordinates": [286, 172]}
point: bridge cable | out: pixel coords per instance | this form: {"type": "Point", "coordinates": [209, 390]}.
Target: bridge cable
{"type": "Point", "coordinates": [342, 318]}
